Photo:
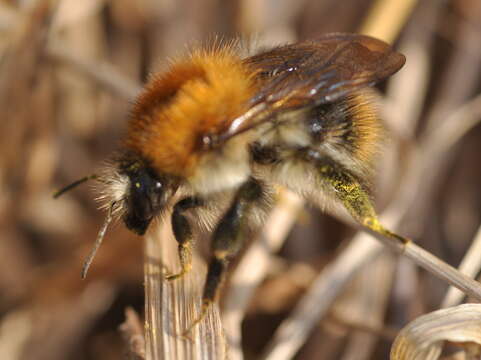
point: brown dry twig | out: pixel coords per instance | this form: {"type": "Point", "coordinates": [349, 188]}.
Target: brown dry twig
{"type": "Point", "coordinates": [132, 330]}
{"type": "Point", "coordinates": [172, 306]}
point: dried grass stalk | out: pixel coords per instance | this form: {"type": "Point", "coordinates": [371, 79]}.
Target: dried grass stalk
{"type": "Point", "coordinates": [386, 18]}
{"type": "Point", "coordinates": [133, 334]}
{"type": "Point", "coordinates": [470, 265]}
{"type": "Point", "coordinates": [365, 304]}
{"type": "Point", "coordinates": [172, 306]}
{"type": "Point", "coordinates": [294, 330]}
{"type": "Point", "coordinates": [424, 337]}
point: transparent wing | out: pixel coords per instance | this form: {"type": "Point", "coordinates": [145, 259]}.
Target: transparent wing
{"type": "Point", "coordinates": [314, 72]}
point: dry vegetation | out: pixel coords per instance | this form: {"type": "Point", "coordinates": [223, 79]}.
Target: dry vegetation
{"type": "Point", "coordinates": [310, 287]}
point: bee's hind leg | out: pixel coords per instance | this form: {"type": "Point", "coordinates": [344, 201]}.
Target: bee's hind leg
{"type": "Point", "coordinates": [227, 240]}
{"type": "Point", "coordinates": [352, 194]}
{"type": "Point", "coordinates": [183, 234]}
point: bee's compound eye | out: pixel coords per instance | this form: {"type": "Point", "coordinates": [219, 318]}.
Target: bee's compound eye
{"type": "Point", "coordinates": [158, 185]}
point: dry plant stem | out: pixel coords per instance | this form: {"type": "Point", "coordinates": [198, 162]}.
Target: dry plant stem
{"type": "Point", "coordinates": [133, 334]}
{"type": "Point", "coordinates": [16, 329]}
{"type": "Point", "coordinates": [438, 143]}
{"type": "Point", "coordinates": [366, 304]}
{"type": "Point", "coordinates": [386, 333]}
{"type": "Point", "coordinates": [65, 322]}
{"type": "Point", "coordinates": [424, 337]}
{"type": "Point", "coordinates": [293, 331]}
{"type": "Point", "coordinates": [103, 73]}
{"type": "Point", "coordinates": [8, 16]}
{"type": "Point", "coordinates": [448, 133]}
{"type": "Point", "coordinates": [70, 13]}
{"type": "Point", "coordinates": [386, 18]}
{"type": "Point", "coordinates": [403, 107]}
{"type": "Point", "coordinates": [436, 266]}
{"type": "Point", "coordinates": [470, 265]}
{"type": "Point", "coordinates": [172, 306]}
{"type": "Point", "coordinates": [457, 86]}
{"type": "Point", "coordinates": [452, 92]}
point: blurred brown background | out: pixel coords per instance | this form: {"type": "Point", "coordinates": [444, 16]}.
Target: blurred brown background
{"type": "Point", "coordinates": [68, 73]}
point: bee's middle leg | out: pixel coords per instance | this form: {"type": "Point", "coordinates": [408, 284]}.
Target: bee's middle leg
{"type": "Point", "coordinates": [227, 240]}
{"type": "Point", "coordinates": [183, 234]}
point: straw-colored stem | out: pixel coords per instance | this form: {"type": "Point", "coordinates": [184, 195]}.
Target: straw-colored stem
{"type": "Point", "coordinates": [172, 306]}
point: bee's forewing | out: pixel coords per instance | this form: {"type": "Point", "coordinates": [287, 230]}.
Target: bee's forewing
{"type": "Point", "coordinates": [314, 72]}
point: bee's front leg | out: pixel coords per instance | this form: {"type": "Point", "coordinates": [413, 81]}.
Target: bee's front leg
{"type": "Point", "coordinates": [183, 234]}
{"type": "Point", "coordinates": [227, 240]}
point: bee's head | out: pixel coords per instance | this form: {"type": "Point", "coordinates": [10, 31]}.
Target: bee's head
{"type": "Point", "coordinates": [140, 193]}
{"type": "Point", "coordinates": [144, 199]}
{"type": "Point", "coordinates": [131, 190]}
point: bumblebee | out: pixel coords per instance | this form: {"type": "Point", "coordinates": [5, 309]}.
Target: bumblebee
{"type": "Point", "coordinates": [217, 129]}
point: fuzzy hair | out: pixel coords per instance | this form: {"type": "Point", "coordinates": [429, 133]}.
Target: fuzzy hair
{"type": "Point", "coordinates": [112, 187]}
{"type": "Point", "coordinates": [197, 96]}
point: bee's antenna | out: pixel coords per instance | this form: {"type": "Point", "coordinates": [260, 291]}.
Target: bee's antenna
{"type": "Point", "coordinates": [98, 241]}
{"type": "Point", "coordinates": [73, 185]}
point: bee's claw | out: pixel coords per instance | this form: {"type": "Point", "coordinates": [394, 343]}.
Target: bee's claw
{"type": "Point", "coordinates": [185, 336]}
{"type": "Point", "coordinates": [172, 277]}
{"type": "Point", "coordinates": [203, 313]}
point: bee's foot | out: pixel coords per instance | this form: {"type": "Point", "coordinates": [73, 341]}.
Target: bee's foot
{"type": "Point", "coordinates": [203, 313]}
{"type": "Point", "coordinates": [186, 336]}
{"type": "Point", "coordinates": [172, 277]}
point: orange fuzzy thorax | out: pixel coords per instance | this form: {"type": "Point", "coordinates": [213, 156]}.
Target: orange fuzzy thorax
{"type": "Point", "coordinates": [197, 96]}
